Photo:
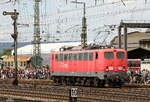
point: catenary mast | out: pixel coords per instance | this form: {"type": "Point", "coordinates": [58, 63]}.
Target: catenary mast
{"type": "Point", "coordinates": [36, 40]}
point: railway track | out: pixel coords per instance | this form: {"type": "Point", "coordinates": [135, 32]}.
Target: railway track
{"type": "Point", "coordinates": [85, 94]}
{"type": "Point", "coordinates": [50, 82]}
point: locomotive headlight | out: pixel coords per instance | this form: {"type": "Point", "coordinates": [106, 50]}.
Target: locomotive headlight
{"type": "Point", "coordinates": [106, 69]}
{"type": "Point", "coordinates": [110, 68]}
{"type": "Point", "coordinates": [120, 68]}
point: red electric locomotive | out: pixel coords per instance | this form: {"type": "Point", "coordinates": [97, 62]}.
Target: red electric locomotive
{"type": "Point", "coordinates": [89, 67]}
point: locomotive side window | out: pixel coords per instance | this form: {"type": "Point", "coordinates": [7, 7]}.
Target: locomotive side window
{"type": "Point", "coordinates": [120, 55]}
{"type": "Point", "coordinates": [85, 56]}
{"type": "Point", "coordinates": [109, 55]}
{"type": "Point", "coordinates": [90, 56]}
{"type": "Point", "coordinates": [65, 57]}
{"type": "Point", "coordinates": [81, 56]}
{"type": "Point", "coordinates": [59, 57]}
{"type": "Point", "coordinates": [75, 56]}
{"type": "Point", "coordinates": [71, 57]}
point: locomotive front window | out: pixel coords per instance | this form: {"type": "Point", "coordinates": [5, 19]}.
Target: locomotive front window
{"type": "Point", "coordinates": [120, 55]}
{"type": "Point", "coordinates": [109, 55]}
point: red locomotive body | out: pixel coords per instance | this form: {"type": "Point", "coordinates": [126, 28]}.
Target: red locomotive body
{"type": "Point", "coordinates": [89, 67]}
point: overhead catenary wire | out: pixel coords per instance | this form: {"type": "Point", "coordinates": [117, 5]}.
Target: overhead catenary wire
{"type": "Point", "coordinates": [50, 21]}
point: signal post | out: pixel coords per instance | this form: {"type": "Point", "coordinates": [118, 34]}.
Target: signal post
{"type": "Point", "coordinates": [14, 16]}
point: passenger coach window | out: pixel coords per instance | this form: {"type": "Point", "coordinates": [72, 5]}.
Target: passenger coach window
{"type": "Point", "coordinates": [120, 55]}
{"type": "Point", "coordinates": [109, 55]}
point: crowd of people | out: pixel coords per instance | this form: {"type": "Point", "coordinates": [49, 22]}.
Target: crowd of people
{"type": "Point", "coordinates": [140, 76]}
{"type": "Point", "coordinates": [28, 73]}
{"type": "Point", "coordinates": [44, 73]}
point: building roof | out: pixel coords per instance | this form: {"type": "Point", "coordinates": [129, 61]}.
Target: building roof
{"type": "Point", "coordinates": [132, 40]}
{"type": "Point", "coordinates": [19, 58]}
{"type": "Point", "coordinates": [139, 53]}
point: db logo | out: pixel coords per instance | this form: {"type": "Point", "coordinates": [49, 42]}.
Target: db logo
{"type": "Point", "coordinates": [63, 65]}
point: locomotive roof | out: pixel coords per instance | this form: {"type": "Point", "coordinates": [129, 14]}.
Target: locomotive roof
{"type": "Point", "coordinates": [89, 50]}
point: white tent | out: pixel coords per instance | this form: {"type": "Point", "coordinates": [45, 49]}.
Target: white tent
{"type": "Point", "coordinates": [45, 48]}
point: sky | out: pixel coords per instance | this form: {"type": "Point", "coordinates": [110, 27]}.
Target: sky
{"type": "Point", "coordinates": [61, 21]}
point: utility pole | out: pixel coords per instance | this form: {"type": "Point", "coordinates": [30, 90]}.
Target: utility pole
{"type": "Point", "coordinates": [36, 40]}
{"type": "Point", "coordinates": [14, 16]}
{"type": "Point", "coordinates": [84, 27]}
{"type": "Point", "coordinates": [95, 2]}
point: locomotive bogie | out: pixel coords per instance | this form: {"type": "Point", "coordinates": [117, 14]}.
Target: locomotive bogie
{"type": "Point", "coordinates": [96, 80]}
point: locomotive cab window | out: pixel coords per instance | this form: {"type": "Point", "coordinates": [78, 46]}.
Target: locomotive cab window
{"type": "Point", "coordinates": [109, 55]}
{"type": "Point", "coordinates": [120, 55]}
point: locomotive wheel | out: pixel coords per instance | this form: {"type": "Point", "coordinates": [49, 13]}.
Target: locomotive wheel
{"type": "Point", "coordinates": [67, 81]}
{"type": "Point", "coordinates": [77, 81]}
{"type": "Point", "coordinates": [72, 81]}
{"type": "Point", "coordinates": [102, 83]}
{"type": "Point", "coordinates": [83, 81]}
{"type": "Point", "coordinates": [88, 82]}
{"type": "Point", "coordinates": [63, 82]}
{"type": "Point", "coordinates": [112, 83]}
{"type": "Point", "coordinates": [95, 82]}
{"type": "Point", "coordinates": [119, 84]}
{"type": "Point", "coordinates": [56, 81]}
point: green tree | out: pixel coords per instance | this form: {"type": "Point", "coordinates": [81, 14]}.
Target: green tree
{"type": "Point", "coordinates": [6, 52]}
